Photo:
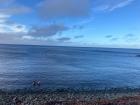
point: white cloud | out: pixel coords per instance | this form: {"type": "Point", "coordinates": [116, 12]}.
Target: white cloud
{"type": "Point", "coordinates": [27, 37]}
{"type": "Point", "coordinates": [3, 18]}
{"type": "Point", "coordinates": [110, 5]}
{"type": "Point", "coordinates": [10, 27]}
{"type": "Point", "coordinates": [19, 28]}
{"type": "Point", "coordinates": [121, 4]}
{"type": "Point", "coordinates": [13, 28]}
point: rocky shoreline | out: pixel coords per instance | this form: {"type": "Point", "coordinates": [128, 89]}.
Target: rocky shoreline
{"type": "Point", "coordinates": [70, 97]}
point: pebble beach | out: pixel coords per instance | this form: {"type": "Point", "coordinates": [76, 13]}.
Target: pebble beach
{"type": "Point", "coordinates": [63, 97]}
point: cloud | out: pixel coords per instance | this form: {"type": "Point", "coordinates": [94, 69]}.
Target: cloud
{"type": "Point", "coordinates": [64, 39]}
{"type": "Point", "coordinates": [28, 37]}
{"type": "Point", "coordinates": [14, 31]}
{"type": "Point", "coordinates": [80, 27]}
{"type": "Point", "coordinates": [110, 5]}
{"type": "Point", "coordinates": [4, 18]}
{"type": "Point", "coordinates": [114, 39]}
{"type": "Point", "coordinates": [8, 8]}
{"type": "Point", "coordinates": [6, 27]}
{"type": "Point", "coordinates": [109, 36]}
{"type": "Point", "coordinates": [10, 32]}
{"type": "Point", "coordinates": [55, 9]}
{"type": "Point", "coordinates": [8, 38]}
{"type": "Point", "coordinates": [1, 1]}
{"type": "Point", "coordinates": [11, 7]}
{"type": "Point", "coordinates": [6, 1]}
{"type": "Point", "coordinates": [78, 36]}
{"type": "Point", "coordinates": [15, 10]}
{"type": "Point", "coordinates": [50, 9]}
{"type": "Point", "coordinates": [48, 31]}
{"type": "Point", "coordinates": [130, 38]}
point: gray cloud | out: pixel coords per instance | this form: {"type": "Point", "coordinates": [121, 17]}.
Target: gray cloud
{"type": "Point", "coordinates": [114, 39]}
{"type": "Point", "coordinates": [79, 36]}
{"type": "Point", "coordinates": [50, 9]}
{"type": "Point", "coordinates": [130, 38]}
{"type": "Point", "coordinates": [1, 1]}
{"type": "Point", "coordinates": [11, 7]}
{"type": "Point", "coordinates": [12, 34]}
{"type": "Point", "coordinates": [129, 35]}
{"type": "Point", "coordinates": [6, 1]}
{"type": "Point", "coordinates": [47, 31]}
{"type": "Point", "coordinates": [9, 38]}
{"type": "Point", "coordinates": [109, 36]}
{"type": "Point", "coordinates": [80, 27]}
{"type": "Point", "coordinates": [15, 10]}
{"type": "Point", "coordinates": [64, 39]}
{"type": "Point", "coordinates": [126, 38]}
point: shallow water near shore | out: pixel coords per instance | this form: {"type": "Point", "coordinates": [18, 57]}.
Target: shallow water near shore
{"type": "Point", "coordinates": [68, 67]}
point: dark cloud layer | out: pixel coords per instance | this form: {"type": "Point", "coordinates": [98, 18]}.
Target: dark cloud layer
{"type": "Point", "coordinates": [49, 9]}
{"type": "Point", "coordinates": [48, 31]}
{"type": "Point", "coordinates": [6, 1]}
{"type": "Point", "coordinates": [11, 7]}
{"type": "Point", "coordinates": [15, 10]}
{"type": "Point", "coordinates": [64, 39]}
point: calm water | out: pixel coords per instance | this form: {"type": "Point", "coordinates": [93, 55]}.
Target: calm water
{"type": "Point", "coordinates": [68, 67]}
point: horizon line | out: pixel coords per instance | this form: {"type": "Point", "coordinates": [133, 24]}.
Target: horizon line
{"type": "Point", "coordinates": [70, 46]}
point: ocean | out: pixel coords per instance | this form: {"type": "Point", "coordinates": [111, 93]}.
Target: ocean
{"type": "Point", "coordinates": [68, 67]}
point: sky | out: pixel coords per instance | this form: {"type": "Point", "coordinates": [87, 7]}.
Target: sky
{"type": "Point", "coordinates": [87, 23]}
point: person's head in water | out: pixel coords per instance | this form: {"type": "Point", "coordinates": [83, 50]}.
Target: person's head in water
{"type": "Point", "coordinates": [38, 83]}
{"type": "Point", "coordinates": [34, 83]}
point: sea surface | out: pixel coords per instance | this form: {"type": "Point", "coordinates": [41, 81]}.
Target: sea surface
{"type": "Point", "coordinates": [68, 67]}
